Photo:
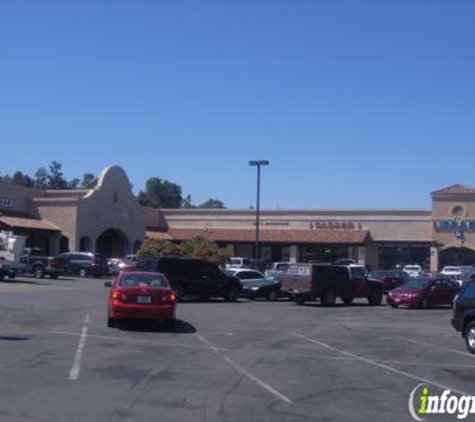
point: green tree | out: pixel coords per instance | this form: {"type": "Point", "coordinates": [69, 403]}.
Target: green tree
{"type": "Point", "coordinates": [203, 248]}
{"type": "Point", "coordinates": [158, 247]}
{"type": "Point", "coordinates": [73, 184]}
{"type": "Point", "coordinates": [160, 194]}
{"type": "Point", "coordinates": [89, 181]}
{"type": "Point", "coordinates": [55, 178]}
{"type": "Point", "coordinates": [187, 202]}
{"type": "Point", "coordinates": [212, 203]}
{"type": "Point", "coordinates": [41, 178]}
{"type": "Point", "coordinates": [21, 179]}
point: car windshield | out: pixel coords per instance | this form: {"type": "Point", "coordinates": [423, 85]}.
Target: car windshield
{"type": "Point", "coordinates": [152, 280]}
{"type": "Point", "coordinates": [417, 283]}
{"type": "Point", "coordinates": [411, 268]}
{"type": "Point", "coordinates": [230, 273]}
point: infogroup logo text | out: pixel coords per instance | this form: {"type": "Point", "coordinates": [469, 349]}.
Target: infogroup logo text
{"type": "Point", "coordinates": [422, 404]}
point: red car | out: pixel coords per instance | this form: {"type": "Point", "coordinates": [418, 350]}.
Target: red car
{"type": "Point", "coordinates": [144, 295]}
{"type": "Point", "coordinates": [423, 292]}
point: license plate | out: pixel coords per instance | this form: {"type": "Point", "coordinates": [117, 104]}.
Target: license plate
{"type": "Point", "coordinates": [397, 300]}
{"type": "Point", "coordinates": [144, 299]}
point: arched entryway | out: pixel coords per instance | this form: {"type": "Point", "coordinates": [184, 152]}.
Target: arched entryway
{"type": "Point", "coordinates": [64, 244]}
{"type": "Point", "coordinates": [85, 244]}
{"type": "Point", "coordinates": [113, 243]}
{"type": "Point", "coordinates": [456, 256]}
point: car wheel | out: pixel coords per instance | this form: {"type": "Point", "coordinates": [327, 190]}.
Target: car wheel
{"type": "Point", "coordinates": [2, 276]}
{"type": "Point", "coordinates": [111, 322]}
{"type": "Point", "coordinates": [232, 294]}
{"type": "Point", "coordinates": [38, 272]}
{"type": "Point", "coordinates": [328, 298]}
{"type": "Point", "coordinates": [273, 296]}
{"type": "Point", "coordinates": [375, 297]}
{"type": "Point", "coordinates": [347, 300]}
{"type": "Point", "coordinates": [393, 305]}
{"type": "Point", "coordinates": [54, 276]}
{"type": "Point", "coordinates": [470, 337]}
{"type": "Point", "coordinates": [425, 303]}
{"type": "Point", "coordinates": [299, 300]}
{"type": "Point", "coordinates": [82, 273]}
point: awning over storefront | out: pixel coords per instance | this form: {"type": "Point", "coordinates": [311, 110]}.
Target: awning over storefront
{"type": "Point", "coordinates": [323, 236]}
{"type": "Point", "coordinates": [13, 221]}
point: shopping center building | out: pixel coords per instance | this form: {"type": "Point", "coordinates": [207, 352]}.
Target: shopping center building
{"type": "Point", "coordinates": [108, 219]}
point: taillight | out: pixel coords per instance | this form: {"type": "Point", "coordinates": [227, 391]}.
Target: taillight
{"type": "Point", "coordinates": [119, 296]}
{"type": "Point", "coordinates": [310, 282]}
{"type": "Point", "coordinates": [171, 297]}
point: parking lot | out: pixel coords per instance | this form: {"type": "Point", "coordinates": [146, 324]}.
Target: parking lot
{"type": "Point", "coordinates": [245, 361]}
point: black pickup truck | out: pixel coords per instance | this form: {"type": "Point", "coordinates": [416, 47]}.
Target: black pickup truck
{"type": "Point", "coordinates": [35, 261]}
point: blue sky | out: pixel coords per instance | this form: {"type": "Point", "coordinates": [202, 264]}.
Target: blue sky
{"type": "Point", "coordinates": [356, 104]}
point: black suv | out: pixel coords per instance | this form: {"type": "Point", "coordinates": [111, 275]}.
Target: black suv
{"type": "Point", "coordinates": [464, 314]}
{"type": "Point", "coordinates": [83, 264]}
{"type": "Point", "coordinates": [194, 277]}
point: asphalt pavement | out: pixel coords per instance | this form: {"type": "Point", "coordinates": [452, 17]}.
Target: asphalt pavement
{"type": "Point", "coordinates": [245, 361]}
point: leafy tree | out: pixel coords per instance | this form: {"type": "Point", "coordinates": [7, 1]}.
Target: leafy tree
{"type": "Point", "coordinates": [21, 179]}
{"type": "Point", "coordinates": [55, 178]}
{"type": "Point", "coordinates": [41, 178]}
{"type": "Point", "coordinates": [158, 247]}
{"type": "Point", "coordinates": [212, 203]}
{"type": "Point", "coordinates": [161, 194]}
{"type": "Point", "coordinates": [73, 184]}
{"type": "Point", "coordinates": [187, 202]}
{"type": "Point", "coordinates": [203, 248]}
{"type": "Point", "coordinates": [89, 181]}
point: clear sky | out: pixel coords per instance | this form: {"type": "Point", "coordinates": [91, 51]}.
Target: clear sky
{"type": "Point", "coordinates": [356, 103]}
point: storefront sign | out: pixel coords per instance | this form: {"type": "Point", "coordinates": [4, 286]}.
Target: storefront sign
{"type": "Point", "coordinates": [6, 203]}
{"type": "Point", "coordinates": [457, 227]}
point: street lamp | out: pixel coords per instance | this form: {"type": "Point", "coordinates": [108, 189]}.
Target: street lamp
{"type": "Point", "coordinates": [258, 164]}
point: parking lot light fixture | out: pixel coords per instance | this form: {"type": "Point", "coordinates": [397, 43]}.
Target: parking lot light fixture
{"type": "Point", "coordinates": [258, 164]}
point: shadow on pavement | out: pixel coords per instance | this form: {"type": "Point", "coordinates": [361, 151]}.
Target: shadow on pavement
{"type": "Point", "coordinates": [23, 281]}
{"type": "Point", "coordinates": [13, 338]}
{"type": "Point", "coordinates": [181, 327]}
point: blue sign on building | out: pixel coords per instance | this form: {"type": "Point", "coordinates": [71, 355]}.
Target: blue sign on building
{"type": "Point", "coordinates": [458, 228]}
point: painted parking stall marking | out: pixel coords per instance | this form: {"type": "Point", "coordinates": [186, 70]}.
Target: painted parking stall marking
{"type": "Point", "coordinates": [380, 365]}
{"type": "Point", "coordinates": [243, 371]}
{"type": "Point", "coordinates": [74, 373]}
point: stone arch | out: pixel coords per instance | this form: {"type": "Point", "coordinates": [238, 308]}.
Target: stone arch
{"type": "Point", "coordinates": [113, 243]}
{"type": "Point", "coordinates": [85, 244]}
{"type": "Point", "coordinates": [64, 244]}
{"type": "Point", "coordinates": [456, 256]}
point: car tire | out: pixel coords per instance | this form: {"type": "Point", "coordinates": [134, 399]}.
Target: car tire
{"type": "Point", "coordinates": [347, 300]}
{"type": "Point", "coordinates": [38, 271]}
{"type": "Point", "coordinates": [272, 296]}
{"type": "Point", "coordinates": [2, 276]}
{"type": "Point", "coordinates": [469, 336]}
{"type": "Point", "coordinates": [328, 297]}
{"type": "Point", "coordinates": [232, 295]}
{"type": "Point", "coordinates": [394, 305]}
{"type": "Point", "coordinates": [83, 273]}
{"type": "Point", "coordinates": [375, 297]}
{"type": "Point", "coordinates": [299, 300]}
{"type": "Point", "coordinates": [54, 276]}
{"type": "Point", "coordinates": [111, 322]}
{"type": "Point", "coordinates": [425, 303]}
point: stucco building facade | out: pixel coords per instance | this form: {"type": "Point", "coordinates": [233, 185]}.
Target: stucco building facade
{"type": "Point", "coordinates": [108, 219]}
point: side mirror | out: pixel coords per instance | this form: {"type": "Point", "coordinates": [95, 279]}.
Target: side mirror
{"type": "Point", "coordinates": [108, 284]}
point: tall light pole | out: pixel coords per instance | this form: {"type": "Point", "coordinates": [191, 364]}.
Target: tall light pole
{"type": "Point", "coordinates": [258, 164]}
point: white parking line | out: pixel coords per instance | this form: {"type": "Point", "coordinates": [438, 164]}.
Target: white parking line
{"type": "Point", "coordinates": [381, 365]}
{"type": "Point", "coordinates": [135, 341]}
{"type": "Point", "coordinates": [241, 370]}
{"type": "Point", "coordinates": [433, 346]}
{"type": "Point", "coordinates": [74, 373]}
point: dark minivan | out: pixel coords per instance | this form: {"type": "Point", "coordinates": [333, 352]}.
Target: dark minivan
{"type": "Point", "coordinates": [83, 264]}
{"type": "Point", "coordinates": [308, 282]}
{"type": "Point", "coordinates": [464, 314]}
{"type": "Point", "coordinates": [194, 277]}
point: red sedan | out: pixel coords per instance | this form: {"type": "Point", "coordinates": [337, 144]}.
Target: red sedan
{"type": "Point", "coordinates": [142, 295]}
{"type": "Point", "coordinates": [423, 292]}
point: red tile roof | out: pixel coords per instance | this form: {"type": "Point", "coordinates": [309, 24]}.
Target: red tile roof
{"type": "Point", "coordinates": [27, 223]}
{"type": "Point", "coordinates": [324, 236]}
{"type": "Point", "coordinates": [455, 190]}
